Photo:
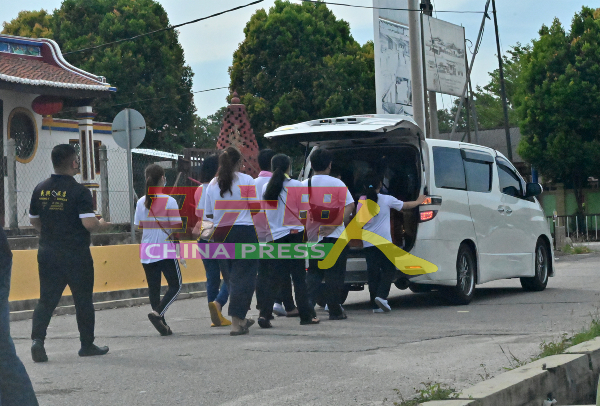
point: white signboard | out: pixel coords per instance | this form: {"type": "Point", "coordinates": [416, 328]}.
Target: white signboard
{"type": "Point", "coordinates": [444, 56]}
{"type": "Point", "coordinates": [394, 68]}
{"type": "Point", "coordinates": [392, 57]}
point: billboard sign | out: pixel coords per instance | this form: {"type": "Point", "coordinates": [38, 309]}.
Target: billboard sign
{"type": "Point", "coordinates": [445, 60]}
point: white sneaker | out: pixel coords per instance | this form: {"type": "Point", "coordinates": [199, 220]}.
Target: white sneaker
{"type": "Point", "coordinates": [279, 310]}
{"type": "Point", "coordinates": [383, 304]}
{"type": "Point", "coordinates": [378, 311]}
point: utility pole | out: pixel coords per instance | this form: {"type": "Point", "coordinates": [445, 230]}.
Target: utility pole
{"type": "Point", "coordinates": [427, 8]}
{"type": "Point", "coordinates": [502, 86]}
{"type": "Point", "coordinates": [416, 70]}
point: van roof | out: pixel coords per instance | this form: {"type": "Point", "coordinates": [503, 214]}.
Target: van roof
{"type": "Point", "coordinates": [349, 126]}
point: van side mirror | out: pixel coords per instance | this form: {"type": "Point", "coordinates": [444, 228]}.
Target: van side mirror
{"type": "Point", "coordinates": [533, 189]}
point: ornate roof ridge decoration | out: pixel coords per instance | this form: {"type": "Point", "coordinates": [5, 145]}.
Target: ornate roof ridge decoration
{"type": "Point", "coordinates": [45, 59]}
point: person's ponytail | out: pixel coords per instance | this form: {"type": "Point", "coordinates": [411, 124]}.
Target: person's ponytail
{"type": "Point", "coordinates": [372, 183]}
{"type": "Point", "coordinates": [280, 164]}
{"type": "Point", "coordinates": [228, 162]}
{"type": "Point", "coordinates": [154, 174]}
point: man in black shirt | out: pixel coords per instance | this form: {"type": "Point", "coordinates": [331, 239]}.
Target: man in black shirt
{"type": "Point", "coordinates": [62, 211]}
{"type": "Point", "coordinates": [15, 385]}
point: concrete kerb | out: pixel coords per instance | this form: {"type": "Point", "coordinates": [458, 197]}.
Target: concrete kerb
{"type": "Point", "coordinates": [23, 309]}
{"type": "Point", "coordinates": [571, 377]}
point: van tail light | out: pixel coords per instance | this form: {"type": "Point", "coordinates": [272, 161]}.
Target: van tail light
{"type": "Point", "coordinates": [432, 200]}
{"type": "Point", "coordinates": [427, 215]}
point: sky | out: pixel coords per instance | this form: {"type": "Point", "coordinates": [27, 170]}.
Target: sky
{"type": "Point", "coordinates": [209, 44]}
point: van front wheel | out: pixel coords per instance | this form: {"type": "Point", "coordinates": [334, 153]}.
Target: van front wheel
{"type": "Point", "coordinates": [542, 259]}
{"type": "Point", "coordinates": [463, 292]}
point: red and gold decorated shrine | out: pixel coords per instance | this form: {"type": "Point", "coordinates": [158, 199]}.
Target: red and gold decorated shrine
{"type": "Point", "coordinates": [236, 131]}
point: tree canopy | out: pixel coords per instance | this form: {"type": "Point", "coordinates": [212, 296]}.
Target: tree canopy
{"type": "Point", "coordinates": [149, 72]}
{"type": "Point", "coordinates": [31, 24]}
{"type": "Point", "coordinates": [297, 63]}
{"type": "Point", "coordinates": [487, 99]}
{"type": "Point", "coordinates": [558, 101]}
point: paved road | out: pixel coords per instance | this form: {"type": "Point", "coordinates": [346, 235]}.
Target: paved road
{"type": "Point", "coordinates": [359, 361]}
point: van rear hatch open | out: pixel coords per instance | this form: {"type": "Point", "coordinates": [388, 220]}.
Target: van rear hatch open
{"type": "Point", "coordinates": [359, 128]}
{"type": "Point", "coordinates": [392, 145]}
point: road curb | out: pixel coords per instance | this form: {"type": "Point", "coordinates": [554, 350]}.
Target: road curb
{"type": "Point", "coordinates": [570, 378]}
{"type": "Point", "coordinates": [23, 310]}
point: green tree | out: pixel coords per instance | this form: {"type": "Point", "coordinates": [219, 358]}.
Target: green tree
{"type": "Point", "coordinates": [297, 63]}
{"type": "Point", "coordinates": [31, 24]}
{"type": "Point", "coordinates": [151, 67]}
{"type": "Point", "coordinates": [206, 129]}
{"type": "Point", "coordinates": [559, 102]}
{"type": "Point", "coordinates": [487, 99]}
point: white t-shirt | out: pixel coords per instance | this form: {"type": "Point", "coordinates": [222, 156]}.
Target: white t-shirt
{"type": "Point", "coordinates": [213, 194]}
{"type": "Point", "coordinates": [380, 224]}
{"type": "Point", "coordinates": [260, 181]}
{"type": "Point", "coordinates": [155, 234]}
{"type": "Point", "coordinates": [200, 198]}
{"type": "Point", "coordinates": [327, 181]}
{"type": "Point", "coordinates": [262, 230]}
{"type": "Point", "coordinates": [276, 217]}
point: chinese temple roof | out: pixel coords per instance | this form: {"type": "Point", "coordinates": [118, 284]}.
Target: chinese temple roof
{"type": "Point", "coordinates": [37, 66]}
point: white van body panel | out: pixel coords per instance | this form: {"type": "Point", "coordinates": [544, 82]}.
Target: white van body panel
{"type": "Point", "coordinates": [502, 229]}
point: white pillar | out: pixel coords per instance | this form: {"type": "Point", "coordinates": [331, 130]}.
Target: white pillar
{"type": "Point", "coordinates": [11, 173]}
{"type": "Point", "coordinates": [86, 144]}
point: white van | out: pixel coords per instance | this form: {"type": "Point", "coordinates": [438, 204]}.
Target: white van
{"type": "Point", "coordinates": [482, 222]}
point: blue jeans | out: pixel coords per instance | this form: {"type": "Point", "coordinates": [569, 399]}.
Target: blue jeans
{"type": "Point", "coordinates": [213, 282]}
{"type": "Point", "coordinates": [15, 386]}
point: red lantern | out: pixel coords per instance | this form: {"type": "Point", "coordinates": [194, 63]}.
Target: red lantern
{"type": "Point", "coordinates": [47, 105]}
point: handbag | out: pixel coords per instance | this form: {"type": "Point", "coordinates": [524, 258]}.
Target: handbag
{"type": "Point", "coordinates": [206, 229]}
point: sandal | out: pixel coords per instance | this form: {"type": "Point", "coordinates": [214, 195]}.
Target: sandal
{"type": "Point", "coordinates": [293, 313]}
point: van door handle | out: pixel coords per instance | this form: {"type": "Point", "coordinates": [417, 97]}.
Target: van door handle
{"type": "Point", "coordinates": [508, 210]}
{"type": "Point", "coordinates": [501, 209]}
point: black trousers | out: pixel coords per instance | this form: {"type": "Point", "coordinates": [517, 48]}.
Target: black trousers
{"type": "Point", "coordinates": [283, 295]}
{"type": "Point", "coordinates": [278, 273]}
{"type": "Point", "coordinates": [154, 270]}
{"type": "Point", "coordinates": [242, 273]}
{"type": "Point", "coordinates": [380, 273]}
{"type": "Point", "coordinates": [59, 268]}
{"type": "Point", "coordinates": [334, 280]}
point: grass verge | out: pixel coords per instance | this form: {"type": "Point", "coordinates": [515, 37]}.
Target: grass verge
{"type": "Point", "coordinates": [568, 249]}
{"type": "Point", "coordinates": [429, 391]}
{"type": "Point", "coordinates": [559, 345]}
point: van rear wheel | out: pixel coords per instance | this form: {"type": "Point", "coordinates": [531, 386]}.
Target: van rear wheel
{"type": "Point", "coordinates": [466, 268]}
{"type": "Point", "coordinates": [538, 282]}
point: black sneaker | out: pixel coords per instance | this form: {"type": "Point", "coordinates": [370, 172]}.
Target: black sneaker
{"type": "Point", "coordinates": [159, 325]}
{"type": "Point", "coordinates": [38, 352]}
{"type": "Point", "coordinates": [92, 350]}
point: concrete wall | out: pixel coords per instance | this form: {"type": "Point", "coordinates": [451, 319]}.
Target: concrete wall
{"type": "Point", "coordinates": [116, 267]}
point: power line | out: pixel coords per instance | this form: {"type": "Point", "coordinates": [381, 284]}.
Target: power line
{"type": "Point", "coordinates": [388, 8]}
{"type": "Point", "coordinates": [164, 97]}
{"type": "Point", "coordinates": [165, 29]}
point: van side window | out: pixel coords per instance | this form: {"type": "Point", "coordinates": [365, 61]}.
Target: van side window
{"type": "Point", "coordinates": [479, 176]}
{"type": "Point", "coordinates": [510, 184]}
{"type": "Point", "coordinates": [448, 168]}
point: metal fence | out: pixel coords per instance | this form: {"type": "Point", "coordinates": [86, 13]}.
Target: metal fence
{"type": "Point", "coordinates": [109, 185]}
{"type": "Point", "coordinates": [577, 227]}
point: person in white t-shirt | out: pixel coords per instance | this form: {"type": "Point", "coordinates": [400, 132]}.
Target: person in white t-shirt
{"type": "Point", "coordinates": [381, 271]}
{"type": "Point", "coordinates": [331, 195]}
{"type": "Point", "coordinates": [217, 293]}
{"type": "Point", "coordinates": [284, 231]}
{"type": "Point", "coordinates": [156, 229]}
{"type": "Point", "coordinates": [228, 186]}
